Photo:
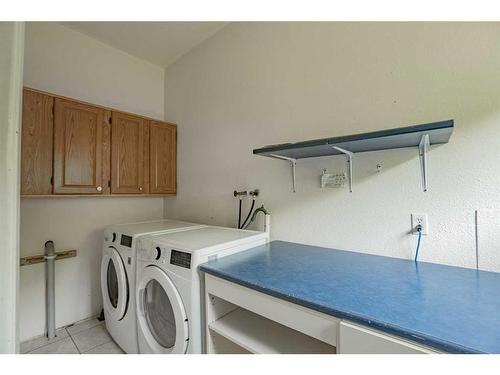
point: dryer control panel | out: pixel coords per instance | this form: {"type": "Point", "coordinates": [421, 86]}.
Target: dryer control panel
{"type": "Point", "coordinates": [148, 251]}
{"type": "Point", "coordinates": [180, 258]}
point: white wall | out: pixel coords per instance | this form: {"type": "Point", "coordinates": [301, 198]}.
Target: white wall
{"type": "Point", "coordinates": [11, 78]}
{"type": "Point", "coordinates": [255, 84]}
{"type": "Point", "coordinates": [65, 62]}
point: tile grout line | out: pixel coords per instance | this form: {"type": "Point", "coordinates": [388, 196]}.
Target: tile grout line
{"type": "Point", "coordinates": [47, 343]}
{"type": "Point", "coordinates": [95, 347]}
{"type": "Point", "coordinates": [87, 329]}
{"type": "Point", "coordinates": [67, 331]}
{"type": "Point", "coordinates": [74, 343]}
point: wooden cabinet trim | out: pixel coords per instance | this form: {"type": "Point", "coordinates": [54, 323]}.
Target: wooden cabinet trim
{"type": "Point", "coordinates": [56, 96]}
{"type": "Point", "coordinates": [106, 153]}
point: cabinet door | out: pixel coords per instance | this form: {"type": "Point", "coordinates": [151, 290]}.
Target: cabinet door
{"type": "Point", "coordinates": [127, 153]}
{"type": "Point", "coordinates": [354, 339]}
{"type": "Point", "coordinates": [163, 158]}
{"type": "Point", "coordinates": [78, 151]}
{"type": "Point", "coordinates": [36, 143]}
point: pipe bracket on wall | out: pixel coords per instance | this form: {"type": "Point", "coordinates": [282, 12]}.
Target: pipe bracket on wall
{"type": "Point", "coordinates": [293, 163]}
{"type": "Point", "coordinates": [349, 155]}
{"type": "Point", "coordinates": [423, 148]}
{"type": "Point", "coordinates": [34, 259]}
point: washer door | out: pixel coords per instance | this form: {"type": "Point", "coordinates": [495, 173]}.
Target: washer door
{"type": "Point", "coordinates": [160, 313]}
{"type": "Point", "coordinates": [114, 284]}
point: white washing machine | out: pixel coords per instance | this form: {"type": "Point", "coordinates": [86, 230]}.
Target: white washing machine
{"type": "Point", "coordinates": [118, 273]}
{"type": "Point", "coordinates": [169, 297]}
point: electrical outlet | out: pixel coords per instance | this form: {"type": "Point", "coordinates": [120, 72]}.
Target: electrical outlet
{"type": "Point", "coordinates": [419, 219]}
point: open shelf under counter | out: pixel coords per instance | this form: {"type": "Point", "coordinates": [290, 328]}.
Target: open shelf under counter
{"type": "Point", "coordinates": [241, 320]}
{"type": "Point", "coordinates": [259, 335]}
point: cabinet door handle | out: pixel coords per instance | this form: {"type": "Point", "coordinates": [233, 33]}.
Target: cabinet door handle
{"type": "Point", "coordinates": [99, 188]}
{"type": "Point", "coordinates": [140, 188]}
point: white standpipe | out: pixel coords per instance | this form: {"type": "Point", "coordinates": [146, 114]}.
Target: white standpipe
{"type": "Point", "coordinates": [267, 223]}
{"type": "Point", "coordinates": [50, 257]}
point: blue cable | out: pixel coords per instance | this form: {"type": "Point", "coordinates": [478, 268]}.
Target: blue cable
{"type": "Point", "coordinates": [419, 230]}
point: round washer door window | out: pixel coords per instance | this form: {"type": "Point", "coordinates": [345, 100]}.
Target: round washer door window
{"type": "Point", "coordinates": [114, 284]}
{"type": "Point", "coordinates": [162, 319]}
{"type": "Point", "coordinates": [159, 314]}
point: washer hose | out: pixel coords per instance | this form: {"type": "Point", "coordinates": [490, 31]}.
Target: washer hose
{"type": "Point", "coordinates": [249, 213]}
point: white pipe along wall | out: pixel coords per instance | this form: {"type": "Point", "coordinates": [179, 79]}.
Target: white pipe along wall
{"type": "Point", "coordinates": [256, 84]}
{"type": "Point", "coordinates": [62, 61]}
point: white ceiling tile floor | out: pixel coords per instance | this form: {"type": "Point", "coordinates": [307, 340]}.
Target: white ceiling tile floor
{"type": "Point", "coordinates": [87, 337]}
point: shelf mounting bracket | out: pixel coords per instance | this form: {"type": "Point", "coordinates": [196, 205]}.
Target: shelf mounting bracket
{"type": "Point", "coordinates": [293, 163]}
{"type": "Point", "coordinates": [349, 155]}
{"type": "Point", "coordinates": [423, 148]}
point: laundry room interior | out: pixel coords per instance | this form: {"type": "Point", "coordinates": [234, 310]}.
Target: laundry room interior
{"type": "Point", "coordinates": [256, 187]}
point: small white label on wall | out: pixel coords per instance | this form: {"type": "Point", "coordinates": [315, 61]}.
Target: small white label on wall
{"type": "Point", "coordinates": [332, 180]}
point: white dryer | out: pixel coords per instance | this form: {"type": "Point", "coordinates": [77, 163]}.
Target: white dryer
{"type": "Point", "coordinates": [169, 298]}
{"type": "Point", "coordinates": [118, 272]}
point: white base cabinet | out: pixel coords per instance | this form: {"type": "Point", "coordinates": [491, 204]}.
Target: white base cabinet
{"type": "Point", "coordinates": [242, 320]}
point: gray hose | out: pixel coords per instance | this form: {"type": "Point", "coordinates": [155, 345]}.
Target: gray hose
{"type": "Point", "coordinates": [260, 209]}
{"type": "Point", "coordinates": [50, 257]}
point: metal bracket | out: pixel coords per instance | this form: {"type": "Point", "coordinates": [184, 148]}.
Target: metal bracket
{"type": "Point", "coordinates": [291, 160]}
{"type": "Point", "coordinates": [349, 155]}
{"type": "Point", "coordinates": [423, 147]}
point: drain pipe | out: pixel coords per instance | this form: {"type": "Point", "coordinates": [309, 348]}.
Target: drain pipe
{"type": "Point", "coordinates": [50, 257]}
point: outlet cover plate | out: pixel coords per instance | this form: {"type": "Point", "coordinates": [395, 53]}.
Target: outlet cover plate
{"type": "Point", "coordinates": [421, 219]}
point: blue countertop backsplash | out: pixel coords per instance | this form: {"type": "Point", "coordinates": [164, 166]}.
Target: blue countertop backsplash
{"type": "Point", "coordinates": [452, 309]}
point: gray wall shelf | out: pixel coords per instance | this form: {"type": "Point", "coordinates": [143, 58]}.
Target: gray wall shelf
{"type": "Point", "coordinates": [421, 136]}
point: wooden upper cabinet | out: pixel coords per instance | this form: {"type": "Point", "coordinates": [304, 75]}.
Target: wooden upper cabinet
{"type": "Point", "coordinates": [74, 148]}
{"type": "Point", "coordinates": [78, 148]}
{"type": "Point", "coordinates": [128, 143]}
{"type": "Point", "coordinates": [36, 143]}
{"type": "Point", "coordinates": [163, 158]}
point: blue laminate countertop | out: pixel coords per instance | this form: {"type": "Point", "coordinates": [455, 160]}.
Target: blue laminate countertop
{"type": "Point", "coordinates": [453, 309]}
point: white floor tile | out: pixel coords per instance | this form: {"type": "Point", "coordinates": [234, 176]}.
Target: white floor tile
{"type": "Point", "coordinates": [82, 326]}
{"type": "Point", "coordinates": [90, 338]}
{"type": "Point", "coordinates": [108, 348]}
{"type": "Point", "coordinates": [64, 346]}
{"type": "Point", "coordinates": [38, 342]}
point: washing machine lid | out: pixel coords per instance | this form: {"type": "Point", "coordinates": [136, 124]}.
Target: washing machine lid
{"type": "Point", "coordinates": [146, 227]}
{"type": "Point", "coordinates": [161, 316]}
{"type": "Point", "coordinates": [114, 284]}
{"type": "Point", "coordinates": [206, 237]}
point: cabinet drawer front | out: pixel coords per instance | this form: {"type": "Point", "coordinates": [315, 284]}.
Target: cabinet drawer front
{"type": "Point", "coordinates": [163, 158]}
{"type": "Point", "coordinates": [37, 143]}
{"type": "Point", "coordinates": [78, 160]}
{"type": "Point", "coordinates": [127, 154]}
{"type": "Point", "coordinates": [354, 339]}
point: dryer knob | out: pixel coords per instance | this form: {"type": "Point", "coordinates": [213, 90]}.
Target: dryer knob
{"type": "Point", "coordinates": [158, 253]}
{"type": "Point", "coordinates": [113, 238]}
